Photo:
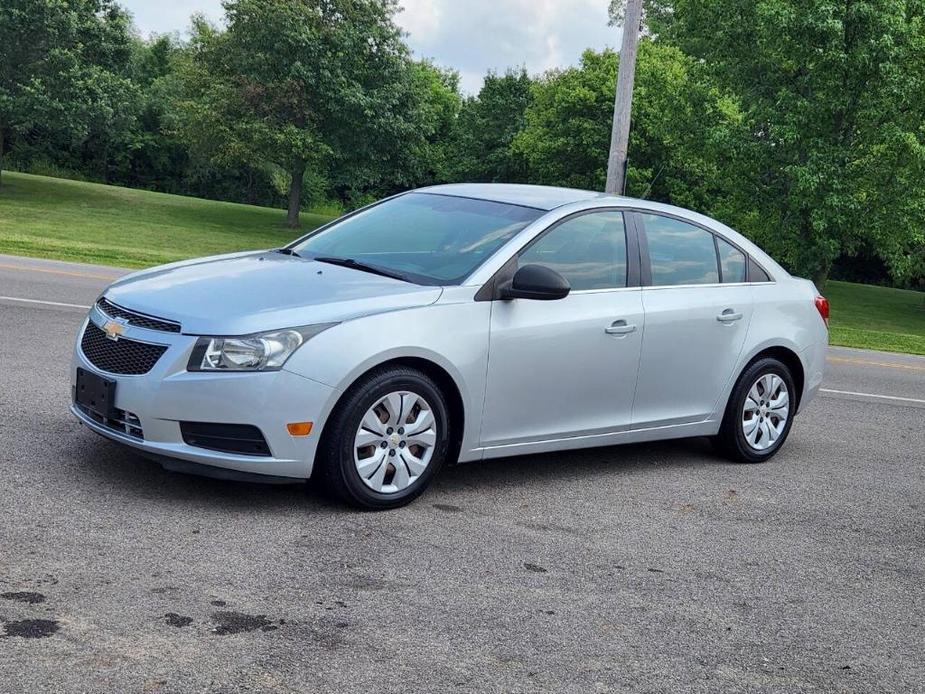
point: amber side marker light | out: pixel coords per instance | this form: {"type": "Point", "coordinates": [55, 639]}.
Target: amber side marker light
{"type": "Point", "coordinates": [299, 428]}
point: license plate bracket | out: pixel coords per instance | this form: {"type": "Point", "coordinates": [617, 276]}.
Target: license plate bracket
{"type": "Point", "coordinates": [96, 393]}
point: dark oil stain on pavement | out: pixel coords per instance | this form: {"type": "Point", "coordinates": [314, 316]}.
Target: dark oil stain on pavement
{"type": "Point", "coordinates": [535, 568]}
{"type": "Point", "coordinates": [177, 620]}
{"type": "Point", "coordinates": [238, 622]}
{"type": "Point", "coordinates": [32, 628]}
{"type": "Point", "coordinates": [27, 597]}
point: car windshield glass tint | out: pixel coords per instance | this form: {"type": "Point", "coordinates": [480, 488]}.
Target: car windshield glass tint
{"type": "Point", "coordinates": [429, 238]}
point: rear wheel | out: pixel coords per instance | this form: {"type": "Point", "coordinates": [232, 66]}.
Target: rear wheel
{"type": "Point", "coordinates": [386, 439]}
{"type": "Point", "coordinates": [759, 414]}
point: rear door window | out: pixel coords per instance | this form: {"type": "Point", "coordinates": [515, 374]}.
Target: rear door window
{"type": "Point", "coordinates": [679, 253]}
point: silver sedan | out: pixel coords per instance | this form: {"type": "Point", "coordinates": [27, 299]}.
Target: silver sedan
{"type": "Point", "coordinates": [451, 324]}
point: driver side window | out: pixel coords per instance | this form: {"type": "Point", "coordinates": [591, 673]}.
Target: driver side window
{"type": "Point", "coordinates": [588, 250]}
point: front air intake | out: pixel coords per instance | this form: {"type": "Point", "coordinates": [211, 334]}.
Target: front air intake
{"type": "Point", "coordinates": [240, 439]}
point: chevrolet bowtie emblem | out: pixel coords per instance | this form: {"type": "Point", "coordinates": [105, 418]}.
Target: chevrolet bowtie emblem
{"type": "Point", "coordinates": [113, 329]}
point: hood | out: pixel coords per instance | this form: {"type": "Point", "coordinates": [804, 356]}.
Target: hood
{"type": "Point", "coordinates": [249, 292]}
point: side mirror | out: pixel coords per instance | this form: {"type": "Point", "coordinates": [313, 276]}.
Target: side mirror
{"type": "Point", "coordinates": [536, 282]}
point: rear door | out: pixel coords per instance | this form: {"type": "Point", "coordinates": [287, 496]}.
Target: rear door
{"type": "Point", "coordinates": [698, 308]}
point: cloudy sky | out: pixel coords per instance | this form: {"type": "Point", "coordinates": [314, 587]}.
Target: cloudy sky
{"type": "Point", "coordinates": [471, 36]}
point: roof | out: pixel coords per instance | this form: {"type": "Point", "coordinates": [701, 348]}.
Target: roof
{"type": "Point", "coordinates": [540, 197]}
{"type": "Point", "coordinates": [549, 198]}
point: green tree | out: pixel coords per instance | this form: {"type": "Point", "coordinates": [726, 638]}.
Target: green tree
{"type": "Point", "coordinates": [680, 123]}
{"type": "Point", "coordinates": [832, 155]}
{"type": "Point", "coordinates": [416, 152]}
{"type": "Point", "coordinates": [656, 14]}
{"type": "Point", "coordinates": [486, 129]}
{"type": "Point", "coordinates": [297, 83]}
{"type": "Point", "coordinates": [61, 69]}
{"type": "Point", "coordinates": [158, 159]}
{"type": "Point", "coordinates": [434, 108]}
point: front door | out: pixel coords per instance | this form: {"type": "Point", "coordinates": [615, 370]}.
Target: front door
{"type": "Point", "coordinates": [559, 369]}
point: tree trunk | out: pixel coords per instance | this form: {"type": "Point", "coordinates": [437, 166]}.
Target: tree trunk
{"type": "Point", "coordinates": [251, 191]}
{"type": "Point", "coordinates": [295, 194]}
{"type": "Point", "coordinates": [821, 275]}
{"type": "Point", "coordinates": [1, 155]}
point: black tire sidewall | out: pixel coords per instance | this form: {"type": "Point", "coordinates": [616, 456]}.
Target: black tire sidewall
{"type": "Point", "coordinates": [733, 434]}
{"type": "Point", "coordinates": [347, 420]}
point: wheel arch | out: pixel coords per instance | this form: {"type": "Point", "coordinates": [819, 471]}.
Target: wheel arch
{"type": "Point", "coordinates": [439, 375]}
{"type": "Point", "coordinates": [790, 359]}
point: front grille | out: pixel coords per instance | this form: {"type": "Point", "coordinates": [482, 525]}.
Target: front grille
{"type": "Point", "coordinates": [122, 421]}
{"type": "Point", "coordinates": [118, 356]}
{"type": "Point", "coordinates": [138, 319]}
{"type": "Point", "coordinates": [242, 439]}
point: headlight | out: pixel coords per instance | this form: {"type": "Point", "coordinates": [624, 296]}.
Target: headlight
{"type": "Point", "coordinates": [259, 352]}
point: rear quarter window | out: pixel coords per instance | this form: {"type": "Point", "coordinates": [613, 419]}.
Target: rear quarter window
{"type": "Point", "coordinates": [732, 261]}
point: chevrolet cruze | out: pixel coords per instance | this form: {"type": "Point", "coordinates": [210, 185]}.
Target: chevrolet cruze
{"type": "Point", "coordinates": [453, 323]}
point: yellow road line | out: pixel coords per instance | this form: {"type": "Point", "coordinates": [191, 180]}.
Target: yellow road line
{"type": "Point", "coordinates": [865, 362]}
{"type": "Point", "coordinates": [59, 272]}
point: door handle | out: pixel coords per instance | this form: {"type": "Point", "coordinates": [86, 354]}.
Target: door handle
{"type": "Point", "coordinates": [728, 316]}
{"type": "Point", "coordinates": [620, 327]}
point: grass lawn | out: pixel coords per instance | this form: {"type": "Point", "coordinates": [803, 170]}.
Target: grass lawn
{"type": "Point", "coordinates": [93, 223]}
{"type": "Point", "coordinates": [876, 317]}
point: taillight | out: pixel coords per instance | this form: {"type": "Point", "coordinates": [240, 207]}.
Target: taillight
{"type": "Point", "coordinates": [822, 305]}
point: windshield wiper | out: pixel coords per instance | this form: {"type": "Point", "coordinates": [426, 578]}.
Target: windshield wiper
{"type": "Point", "coordinates": [365, 267]}
{"type": "Point", "coordinates": [286, 251]}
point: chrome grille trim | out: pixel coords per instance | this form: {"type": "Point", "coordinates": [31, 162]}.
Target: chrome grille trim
{"type": "Point", "coordinates": [135, 318]}
{"type": "Point", "coordinates": [125, 422]}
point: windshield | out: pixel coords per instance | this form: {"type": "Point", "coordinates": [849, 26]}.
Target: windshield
{"type": "Point", "coordinates": [428, 238]}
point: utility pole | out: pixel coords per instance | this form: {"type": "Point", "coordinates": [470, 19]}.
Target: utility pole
{"type": "Point", "coordinates": [623, 100]}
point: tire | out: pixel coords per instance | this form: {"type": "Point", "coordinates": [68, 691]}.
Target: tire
{"type": "Point", "coordinates": [743, 442]}
{"type": "Point", "coordinates": [368, 412]}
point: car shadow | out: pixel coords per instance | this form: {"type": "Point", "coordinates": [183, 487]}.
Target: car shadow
{"type": "Point", "coordinates": [120, 470]}
{"type": "Point", "coordinates": [606, 461]}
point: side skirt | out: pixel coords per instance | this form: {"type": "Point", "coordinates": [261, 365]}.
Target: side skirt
{"type": "Point", "coordinates": [675, 431]}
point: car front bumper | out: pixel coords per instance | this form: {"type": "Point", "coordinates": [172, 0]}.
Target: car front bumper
{"type": "Point", "coordinates": [169, 394]}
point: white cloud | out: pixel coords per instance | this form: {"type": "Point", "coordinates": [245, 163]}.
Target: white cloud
{"type": "Point", "coordinates": [472, 36]}
{"type": "Point", "coordinates": [169, 16]}
{"type": "Point", "coordinates": [420, 17]}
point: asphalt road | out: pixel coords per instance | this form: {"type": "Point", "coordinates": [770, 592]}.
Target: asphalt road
{"type": "Point", "coordinates": [645, 568]}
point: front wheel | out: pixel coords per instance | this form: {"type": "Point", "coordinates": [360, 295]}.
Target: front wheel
{"type": "Point", "coordinates": [386, 439]}
{"type": "Point", "coordinates": [759, 414]}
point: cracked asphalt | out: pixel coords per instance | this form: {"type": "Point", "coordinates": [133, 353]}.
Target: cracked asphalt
{"type": "Point", "coordinates": [644, 568]}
